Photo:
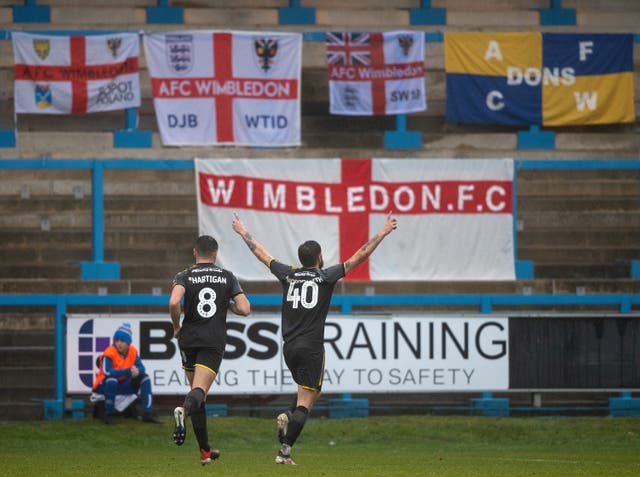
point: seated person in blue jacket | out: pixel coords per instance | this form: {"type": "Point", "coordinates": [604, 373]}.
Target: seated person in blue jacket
{"type": "Point", "coordinates": [122, 374]}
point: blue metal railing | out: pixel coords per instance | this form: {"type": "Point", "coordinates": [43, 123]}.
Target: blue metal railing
{"type": "Point", "coordinates": [346, 303]}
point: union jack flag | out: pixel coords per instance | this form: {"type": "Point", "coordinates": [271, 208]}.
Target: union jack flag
{"type": "Point", "coordinates": [348, 48]}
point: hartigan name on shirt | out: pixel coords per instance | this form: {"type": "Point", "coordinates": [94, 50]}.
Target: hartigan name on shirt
{"type": "Point", "coordinates": [208, 279]}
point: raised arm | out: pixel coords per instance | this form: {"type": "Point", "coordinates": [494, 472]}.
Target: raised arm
{"type": "Point", "coordinates": [367, 249]}
{"type": "Point", "coordinates": [255, 246]}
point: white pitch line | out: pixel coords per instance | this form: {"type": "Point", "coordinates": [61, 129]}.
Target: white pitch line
{"type": "Point", "coordinates": [556, 461]}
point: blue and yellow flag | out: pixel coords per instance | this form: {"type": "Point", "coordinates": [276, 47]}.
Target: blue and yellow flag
{"type": "Point", "coordinates": [552, 79]}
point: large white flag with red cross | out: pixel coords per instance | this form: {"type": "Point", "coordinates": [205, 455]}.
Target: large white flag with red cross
{"type": "Point", "coordinates": [75, 74]}
{"type": "Point", "coordinates": [455, 217]}
{"type": "Point", "coordinates": [376, 73]}
{"type": "Point", "coordinates": [239, 88]}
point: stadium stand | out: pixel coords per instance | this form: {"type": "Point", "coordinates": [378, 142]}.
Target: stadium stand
{"type": "Point", "coordinates": [580, 228]}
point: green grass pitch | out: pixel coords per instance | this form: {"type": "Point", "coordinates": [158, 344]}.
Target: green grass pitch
{"type": "Point", "coordinates": [376, 446]}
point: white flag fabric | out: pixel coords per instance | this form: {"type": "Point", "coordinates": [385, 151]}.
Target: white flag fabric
{"type": "Point", "coordinates": [240, 88]}
{"type": "Point", "coordinates": [76, 74]}
{"type": "Point", "coordinates": [376, 73]}
{"type": "Point", "coordinates": [455, 218]}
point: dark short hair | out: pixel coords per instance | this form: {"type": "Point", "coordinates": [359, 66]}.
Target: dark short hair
{"type": "Point", "coordinates": [308, 253]}
{"type": "Point", "coordinates": [206, 246]}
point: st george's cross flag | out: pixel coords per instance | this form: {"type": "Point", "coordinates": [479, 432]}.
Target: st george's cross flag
{"type": "Point", "coordinates": [75, 74]}
{"type": "Point", "coordinates": [455, 218]}
{"type": "Point", "coordinates": [240, 88]}
{"type": "Point", "coordinates": [376, 73]}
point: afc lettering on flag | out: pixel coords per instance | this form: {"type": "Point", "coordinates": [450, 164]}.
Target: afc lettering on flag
{"type": "Point", "coordinates": [240, 88]}
{"type": "Point", "coordinates": [552, 79]}
{"type": "Point", "coordinates": [455, 217]}
{"type": "Point", "coordinates": [376, 73]}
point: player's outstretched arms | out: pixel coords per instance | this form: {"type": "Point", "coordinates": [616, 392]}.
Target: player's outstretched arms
{"type": "Point", "coordinates": [367, 249]}
{"type": "Point", "coordinates": [240, 305]}
{"type": "Point", "coordinates": [255, 246]}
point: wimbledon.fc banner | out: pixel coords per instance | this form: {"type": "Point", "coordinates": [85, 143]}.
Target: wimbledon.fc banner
{"type": "Point", "coordinates": [239, 88]}
{"type": "Point", "coordinates": [455, 217]}
{"type": "Point", "coordinates": [376, 73]}
{"type": "Point", "coordinates": [552, 79]}
{"type": "Point", "coordinates": [75, 74]}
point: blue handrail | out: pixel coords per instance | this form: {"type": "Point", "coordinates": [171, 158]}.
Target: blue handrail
{"type": "Point", "coordinates": [345, 302]}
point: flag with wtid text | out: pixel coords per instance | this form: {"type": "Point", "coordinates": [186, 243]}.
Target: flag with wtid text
{"type": "Point", "coordinates": [56, 74]}
{"type": "Point", "coordinates": [240, 88]}
{"type": "Point", "coordinates": [455, 218]}
{"type": "Point", "coordinates": [376, 73]}
{"type": "Point", "coordinates": [550, 79]}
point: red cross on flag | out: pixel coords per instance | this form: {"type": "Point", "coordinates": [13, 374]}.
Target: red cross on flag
{"type": "Point", "coordinates": [455, 219]}
{"type": "Point", "coordinates": [57, 74]}
{"type": "Point", "coordinates": [376, 73]}
{"type": "Point", "coordinates": [240, 88]}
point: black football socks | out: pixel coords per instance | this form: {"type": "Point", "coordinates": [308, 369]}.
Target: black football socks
{"type": "Point", "coordinates": [296, 423]}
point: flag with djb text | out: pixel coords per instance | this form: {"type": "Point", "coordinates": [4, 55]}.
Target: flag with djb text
{"type": "Point", "coordinates": [376, 73]}
{"type": "Point", "coordinates": [240, 88]}
{"type": "Point", "coordinates": [455, 218]}
{"type": "Point", "coordinates": [57, 74]}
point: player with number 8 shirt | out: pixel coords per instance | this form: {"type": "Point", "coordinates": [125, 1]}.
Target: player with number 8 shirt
{"type": "Point", "coordinates": [306, 296]}
{"type": "Point", "coordinates": [209, 292]}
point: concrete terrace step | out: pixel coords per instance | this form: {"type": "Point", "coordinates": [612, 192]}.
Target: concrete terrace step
{"type": "Point", "coordinates": [15, 238]}
{"type": "Point", "coordinates": [85, 287]}
{"type": "Point", "coordinates": [18, 395]}
{"type": "Point", "coordinates": [83, 219]}
{"type": "Point", "coordinates": [20, 376]}
{"type": "Point", "coordinates": [34, 256]}
{"type": "Point", "coordinates": [112, 204]}
{"type": "Point", "coordinates": [559, 188]}
{"type": "Point", "coordinates": [592, 203]}
{"type": "Point", "coordinates": [50, 271]}
{"type": "Point", "coordinates": [555, 254]}
{"type": "Point", "coordinates": [582, 271]}
{"type": "Point", "coordinates": [12, 339]}
{"type": "Point", "coordinates": [554, 237]}
{"type": "Point", "coordinates": [100, 146]}
{"type": "Point", "coordinates": [609, 251]}
{"type": "Point", "coordinates": [582, 220]}
{"type": "Point", "coordinates": [27, 319]}
{"type": "Point", "coordinates": [25, 411]}
{"type": "Point", "coordinates": [26, 356]}
{"type": "Point", "coordinates": [61, 254]}
{"type": "Point", "coordinates": [53, 204]}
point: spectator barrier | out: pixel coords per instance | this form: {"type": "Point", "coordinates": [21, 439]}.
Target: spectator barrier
{"type": "Point", "coordinates": [485, 405]}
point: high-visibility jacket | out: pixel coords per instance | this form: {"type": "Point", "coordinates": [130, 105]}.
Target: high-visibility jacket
{"type": "Point", "coordinates": [117, 362]}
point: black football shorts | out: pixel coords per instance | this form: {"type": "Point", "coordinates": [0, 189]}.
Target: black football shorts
{"type": "Point", "coordinates": [306, 365]}
{"type": "Point", "coordinates": [208, 358]}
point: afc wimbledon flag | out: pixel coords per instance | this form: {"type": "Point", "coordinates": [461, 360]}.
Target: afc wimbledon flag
{"type": "Point", "coordinates": [553, 79]}
{"type": "Point", "coordinates": [455, 217]}
{"type": "Point", "coordinates": [238, 88]}
{"type": "Point", "coordinates": [75, 74]}
{"type": "Point", "coordinates": [376, 73]}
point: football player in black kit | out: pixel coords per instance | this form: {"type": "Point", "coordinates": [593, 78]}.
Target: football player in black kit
{"type": "Point", "coordinates": [208, 291]}
{"type": "Point", "coordinates": [306, 296]}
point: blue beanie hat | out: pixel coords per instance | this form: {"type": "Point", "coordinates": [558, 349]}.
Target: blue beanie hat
{"type": "Point", "coordinates": [123, 333]}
